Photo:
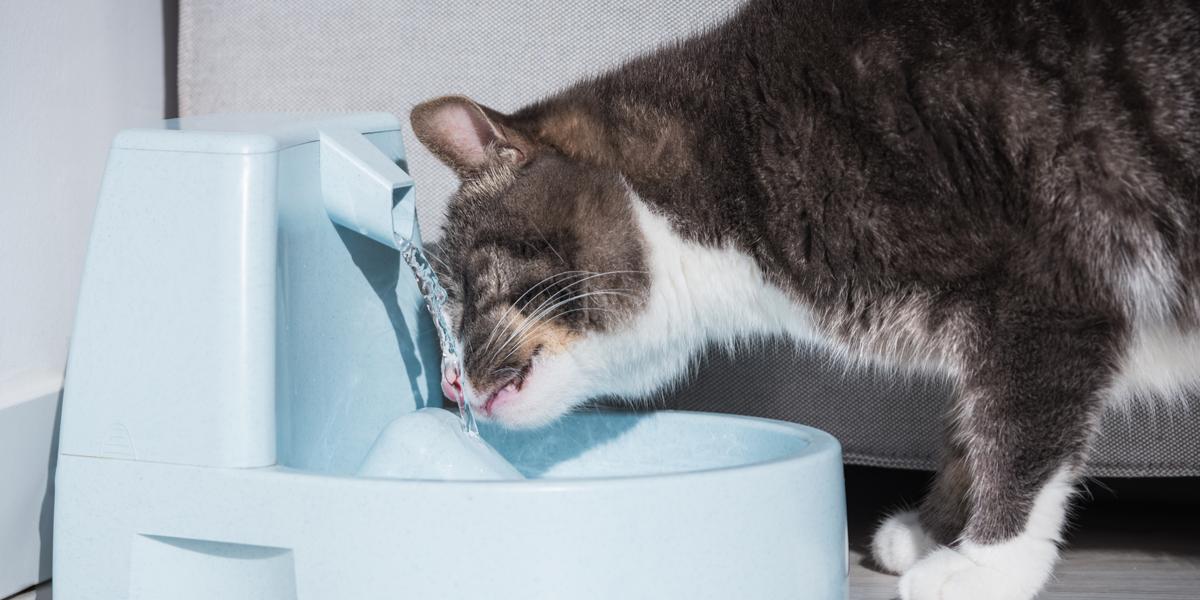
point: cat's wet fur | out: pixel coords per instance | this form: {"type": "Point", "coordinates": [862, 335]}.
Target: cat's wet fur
{"type": "Point", "coordinates": [1004, 192]}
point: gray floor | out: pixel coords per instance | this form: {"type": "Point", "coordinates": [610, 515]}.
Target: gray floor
{"type": "Point", "coordinates": [43, 592]}
{"type": "Point", "coordinates": [1127, 543]}
{"type": "Point", "coordinates": [1130, 541]}
{"type": "Point", "coordinates": [1098, 564]}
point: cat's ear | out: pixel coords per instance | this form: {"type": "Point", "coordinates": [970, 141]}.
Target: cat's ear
{"type": "Point", "coordinates": [467, 136]}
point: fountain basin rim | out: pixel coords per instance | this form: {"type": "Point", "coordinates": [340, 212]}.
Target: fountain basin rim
{"type": "Point", "coordinates": [818, 445]}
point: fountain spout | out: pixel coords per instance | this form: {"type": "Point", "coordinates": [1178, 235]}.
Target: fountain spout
{"type": "Point", "coordinates": [365, 191]}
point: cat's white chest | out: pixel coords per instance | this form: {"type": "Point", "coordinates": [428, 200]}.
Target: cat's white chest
{"type": "Point", "coordinates": [1161, 363]}
{"type": "Point", "coordinates": [720, 292]}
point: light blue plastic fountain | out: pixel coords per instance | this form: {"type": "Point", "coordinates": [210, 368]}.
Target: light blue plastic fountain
{"type": "Point", "coordinates": [246, 335]}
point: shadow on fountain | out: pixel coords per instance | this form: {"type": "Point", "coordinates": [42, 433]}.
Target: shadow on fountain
{"type": "Point", "coordinates": [380, 265]}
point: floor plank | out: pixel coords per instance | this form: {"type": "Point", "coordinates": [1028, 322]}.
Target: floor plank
{"type": "Point", "coordinates": [41, 592]}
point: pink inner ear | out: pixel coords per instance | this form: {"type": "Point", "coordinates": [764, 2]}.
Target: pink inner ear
{"type": "Point", "coordinates": [464, 132]}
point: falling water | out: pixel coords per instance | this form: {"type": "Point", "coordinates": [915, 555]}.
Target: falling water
{"type": "Point", "coordinates": [435, 301]}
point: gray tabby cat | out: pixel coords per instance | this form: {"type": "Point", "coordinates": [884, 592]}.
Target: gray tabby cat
{"type": "Point", "coordinates": [1006, 192]}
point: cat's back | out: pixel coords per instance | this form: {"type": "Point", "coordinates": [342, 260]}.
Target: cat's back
{"type": "Point", "coordinates": [1047, 149]}
{"type": "Point", "coordinates": [1096, 107]}
{"type": "Point", "coordinates": [1023, 73]}
{"type": "Point", "coordinates": [1057, 132]}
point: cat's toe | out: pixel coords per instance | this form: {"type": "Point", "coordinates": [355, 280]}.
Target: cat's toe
{"type": "Point", "coordinates": [926, 579]}
{"type": "Point", "coordinates": [976, 573]}
{"type": "Point", "coordinates": [900, 542]}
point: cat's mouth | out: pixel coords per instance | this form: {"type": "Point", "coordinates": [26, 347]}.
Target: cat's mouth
{"type": "Point", "coordinates": [506, 391]}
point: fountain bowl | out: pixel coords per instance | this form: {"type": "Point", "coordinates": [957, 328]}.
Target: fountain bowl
{"type": "Point", "coordinates": [664, 505]}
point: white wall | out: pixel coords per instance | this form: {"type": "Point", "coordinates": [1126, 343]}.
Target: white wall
{"type": "Point", "coordinates": [72, 73]}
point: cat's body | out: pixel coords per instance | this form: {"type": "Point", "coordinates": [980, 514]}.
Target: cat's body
{"type": "Point", "coordinates": [1007, 193]}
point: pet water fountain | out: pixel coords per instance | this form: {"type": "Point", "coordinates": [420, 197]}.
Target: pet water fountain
{"type": "Point", "coordinates": [246, 335]}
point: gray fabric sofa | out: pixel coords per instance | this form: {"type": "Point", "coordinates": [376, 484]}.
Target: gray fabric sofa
{"type": "Point", "coordinates": [343, 55]}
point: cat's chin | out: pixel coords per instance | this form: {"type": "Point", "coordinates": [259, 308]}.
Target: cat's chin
{"type": "Point", "coordinates": [544, 395]}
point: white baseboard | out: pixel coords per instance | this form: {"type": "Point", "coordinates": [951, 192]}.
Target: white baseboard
{"type": "Point", "coordinates": [29, 405]}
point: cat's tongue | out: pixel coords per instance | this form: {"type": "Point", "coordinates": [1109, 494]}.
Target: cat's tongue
{"type": "Point", "coordinates": [452, 385]}
{"type": "Point", "coordinates": [504, 394]}
{"type": "Point", "coordinates": [452, 392]}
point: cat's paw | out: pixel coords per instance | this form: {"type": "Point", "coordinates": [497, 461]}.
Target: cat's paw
{"type": "Point", "coordinates": [900, 542]}
{"type": "Point", "coordinates": [1011, 571]}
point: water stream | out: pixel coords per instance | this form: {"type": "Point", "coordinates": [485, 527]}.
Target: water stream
{"type": "Point", "coordinates": [435, 301]}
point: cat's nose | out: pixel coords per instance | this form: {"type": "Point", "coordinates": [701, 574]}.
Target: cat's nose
{"type": "Point", "coordinates": [452, 384]}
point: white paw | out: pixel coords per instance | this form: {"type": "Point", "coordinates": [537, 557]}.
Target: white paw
{"type": "Point", "coordinates": [900, 542]}
{"type": "Point", "coordinates": [1011, 571]}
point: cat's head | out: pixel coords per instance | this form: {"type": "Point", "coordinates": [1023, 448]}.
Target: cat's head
{"type": "Point", "coordinates": [541, 255]}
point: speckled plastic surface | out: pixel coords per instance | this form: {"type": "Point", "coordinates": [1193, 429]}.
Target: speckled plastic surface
{"type": "Point", "coordinates": [238, 354]}
{"type": "Point", "coordinates": [431, 444]}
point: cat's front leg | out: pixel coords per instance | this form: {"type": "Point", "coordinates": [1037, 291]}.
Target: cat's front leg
{"type": "Point", "coordinates": [1024, 421]}
{"type": "Point", "coordinates": [1011, 568]}
{"type": "Point", "coordinates": [906, 537]}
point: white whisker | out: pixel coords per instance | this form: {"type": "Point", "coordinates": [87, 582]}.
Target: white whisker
{"type": "Point", "coordinates": [540, 307]}
{"type": "Point", "coordinates": [533, 319]}
{"type": "Point", "coordinates": [546, 321]}
{"type": "Point", "coordinates": [548, 244]}
{"type": "Point", "coordinates": [502, 320]}
{"type": "Point", "coordinates": [589, 275]}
